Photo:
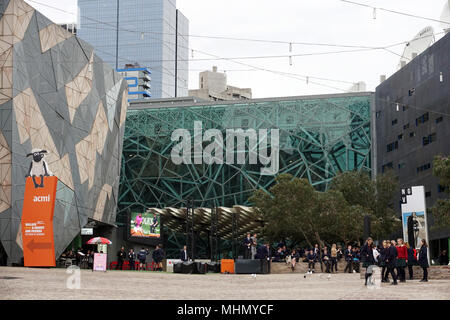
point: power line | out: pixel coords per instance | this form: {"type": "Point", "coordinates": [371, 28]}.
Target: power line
{"type": "Point", "coordinates": [394, 11]}
{"type": "Point", "coordinates": [114, 27]}
{"type": "Point", "coordinates": [295, 76]}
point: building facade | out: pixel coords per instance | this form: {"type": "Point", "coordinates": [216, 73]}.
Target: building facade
{"type": "Point", "coordinates": [152, 33]}
{"type": "Point", "coordinates": [318, 136]}
{"type": "Point", "coordinates": [56, 94]}
{"type": "Point", "coordinates": [213, 86]}
{"type": "Point", "coordinates": [139, 81]}
{"type": "Point", "coordinates": [412, 125]}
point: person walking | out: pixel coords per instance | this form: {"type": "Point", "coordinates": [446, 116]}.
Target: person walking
{"type": "Point", "coordinates": [402, 259]}
{"type": "Point", "coordinates": [367, 258]}
{"type": "Point", "coordinates": [121, 257]}
{"type": "Point", "coordinates": [391, 258]}
{"type": "Point", "coordinates": [131, 259]}
{"type": "Point", "coordinates": [334, 257]}
{"type": "Point", "coordinates": [423, 260]}
{"type": "Point", "coordinates": [382, 261]}
{"type": "Point", "coordinates": [412, 261]}
{"type": "Point", "coordinates": [349, 258]}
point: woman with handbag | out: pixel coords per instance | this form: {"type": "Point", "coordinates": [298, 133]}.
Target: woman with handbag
{"type": "Point", "coordinates": [367, 258]}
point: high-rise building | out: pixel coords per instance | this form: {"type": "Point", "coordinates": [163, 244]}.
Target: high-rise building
{"type": "Point", "coordinates": [412, 127]}
{"type": "Point", "coordinates": [212, 85]}
{"type": "Point", "coordinates": [152, 33]}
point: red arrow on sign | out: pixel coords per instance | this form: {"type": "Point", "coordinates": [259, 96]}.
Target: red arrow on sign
{"type": "Point", "coordinates": [32, 245]}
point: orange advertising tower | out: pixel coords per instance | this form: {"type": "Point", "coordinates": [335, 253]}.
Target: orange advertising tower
{"type": "Point", "coordinates": [37, 223]}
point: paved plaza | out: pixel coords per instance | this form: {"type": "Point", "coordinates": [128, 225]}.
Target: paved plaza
{"type": "Point", "coordinates": [37, 283]}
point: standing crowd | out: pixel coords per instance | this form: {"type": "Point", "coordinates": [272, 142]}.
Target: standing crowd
{"type": "Point", "coordinates": [393, 257]}
{"type": "Point", "coordinates": [140, 259]}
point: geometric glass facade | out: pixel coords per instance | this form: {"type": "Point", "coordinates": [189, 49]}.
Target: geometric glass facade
{"type": "Point", "coordinates": [319, 136]}
{"type": "Point", "coordinates": [152, 33]}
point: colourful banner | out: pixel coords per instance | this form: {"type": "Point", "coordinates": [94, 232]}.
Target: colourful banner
{"type": "Point", "coordinates": [100, 261]}
{"type": "Point", "coordinates": [37, 223]}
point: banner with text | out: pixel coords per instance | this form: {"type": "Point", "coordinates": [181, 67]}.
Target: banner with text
{"type": "Point", "coordinates": [37, 223]}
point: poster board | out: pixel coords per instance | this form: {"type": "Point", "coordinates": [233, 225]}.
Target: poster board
{"type": "Point", "coordinates": [145, 225]}
{"type": "Point", "coordinates": [100, 261]}
{"type": "Point", "coordinates": [37, 223]}
{"type": "Point", "coordinates": [414, 212]}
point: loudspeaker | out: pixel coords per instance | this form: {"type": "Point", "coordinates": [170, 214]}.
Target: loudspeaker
{"type": "Point", "coordinates": [265, 266]}
{"type": "Point", "coordinates": [247, 266]}
{"type": "Point", "coordinates": [200, 267]}
{"type": "Point", "coordinates": [213, 267]}
{"type": "Point", "coordinates": [187, 267]}
{"type": "Point", "coordinates": [177, 267]}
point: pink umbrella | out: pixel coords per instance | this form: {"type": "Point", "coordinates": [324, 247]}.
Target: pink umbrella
{"type": "Point", "coordinates": [99, 240]}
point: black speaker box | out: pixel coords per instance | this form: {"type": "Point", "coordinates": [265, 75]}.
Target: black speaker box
{"type": "Point", "coordinates": [247, 266]}
{"type": "Point", "coordinates": [177, 267]}
{"type": "Point", "coordinates": [200, 267]}
{"type": "Point", "coordinates": [187, 267]}
{"type": "Point", "coordinates": [213, 267]}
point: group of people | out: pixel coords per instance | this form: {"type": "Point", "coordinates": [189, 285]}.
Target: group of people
{"type": "Point", "coordinates": [326, 257]}
{"type": "Point", "coordinates": [141, 257]}
{"type": "Point", "coordinates": [83, 259]}
{"type": "Point", "coordinates": [393, 257]}
{"type": "Point", "coordinates": [250, 246]}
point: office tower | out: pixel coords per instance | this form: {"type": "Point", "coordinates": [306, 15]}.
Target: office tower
{"type": "Point", "coordinates": [152, 33]}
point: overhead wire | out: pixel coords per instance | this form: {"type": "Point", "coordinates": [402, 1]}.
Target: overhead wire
{"type": "Point", "coordinates": [232, 59]}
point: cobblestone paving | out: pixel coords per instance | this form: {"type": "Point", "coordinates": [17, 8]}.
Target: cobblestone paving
{"type": "Point", "coordinates": [39, 283]}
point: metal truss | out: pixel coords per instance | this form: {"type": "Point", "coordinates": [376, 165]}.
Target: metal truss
{"type": "Point", "coordinates": [319, 137]}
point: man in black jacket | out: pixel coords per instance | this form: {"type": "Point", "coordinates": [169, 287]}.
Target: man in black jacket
{"type": "Point", "coordinates": [348, 254]}
{"type": "Point", "coordinates": [390, 261]}
{"type": "Point", "coordinates": [247, 247]}
{"type": "Point", "coordinates": [121, 257]}
{"type": "Point", "coordinates": [184, 254]}
{"type": "Point", "coordinates": [131, 259]}
{"type": "Point", "coordinates": [263, 253]}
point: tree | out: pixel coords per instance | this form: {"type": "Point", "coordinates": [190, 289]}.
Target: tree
{"type": "Point", "coordinates": [370, 197]}
{"type": "Point", "coordinates": [286, 209]}
{"type": "Point", "coordinates": [441, 210]}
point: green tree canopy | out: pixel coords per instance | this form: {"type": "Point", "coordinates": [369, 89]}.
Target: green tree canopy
{"type": "Point", "coordinates": [441, 210]}
{"type": "Point", "coordinates": [294, 210]}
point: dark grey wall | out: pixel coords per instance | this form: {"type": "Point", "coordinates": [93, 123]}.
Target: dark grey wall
{"type": "Point", "coordinates": [430, 94]}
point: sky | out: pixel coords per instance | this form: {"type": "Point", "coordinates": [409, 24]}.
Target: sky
{"type": "Point", "coordinates": [303, 21]}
